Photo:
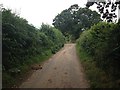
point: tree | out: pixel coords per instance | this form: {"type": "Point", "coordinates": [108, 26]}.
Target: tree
{"type": "Point", "coordinates": [106, 8]}
{"type": "Point", "coordinates": [74, 20]}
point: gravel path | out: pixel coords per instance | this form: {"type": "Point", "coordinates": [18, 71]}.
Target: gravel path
{"type": "Point", "coordinates": [62, 70]}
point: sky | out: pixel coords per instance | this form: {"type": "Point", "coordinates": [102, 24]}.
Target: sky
{"type": "Point", "coordinates": [37, 12]}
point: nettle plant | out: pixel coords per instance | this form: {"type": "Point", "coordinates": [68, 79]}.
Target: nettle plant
{"type": "Point", "coordinates": [107, 8]}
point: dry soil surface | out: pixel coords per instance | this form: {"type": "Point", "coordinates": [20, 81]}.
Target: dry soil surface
{"type": "Point", "coordinates": [62, 70]}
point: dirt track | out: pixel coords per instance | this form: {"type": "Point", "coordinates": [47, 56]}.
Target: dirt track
{"type": "Point", "coordinates": [63, 70]}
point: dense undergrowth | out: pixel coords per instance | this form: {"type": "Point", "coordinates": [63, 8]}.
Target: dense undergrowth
{"type": "Point", "coordinates": [99, 51]}
{"type": "Point", "coordinates": [23, 45]}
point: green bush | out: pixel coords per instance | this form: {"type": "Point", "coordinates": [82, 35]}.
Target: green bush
{"type": "Point", "coordinates": [102, 43]}
{"type": "Point", "coordinates": [22, 41]}
{"type": "Point", "coordinates": [56, 37]}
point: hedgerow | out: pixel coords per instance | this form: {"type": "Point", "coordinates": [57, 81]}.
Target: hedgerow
{"type": "Point", "coordinates": [22, 41]}
{"type": "Point", "coordinates": [102, 43]}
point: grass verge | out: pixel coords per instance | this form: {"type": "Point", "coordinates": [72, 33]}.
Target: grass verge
{"type": "Point", "coordinates": [96, 76]}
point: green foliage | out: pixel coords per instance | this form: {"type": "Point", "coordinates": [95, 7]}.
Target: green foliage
{"type": "Point", "coordinates": [7, 80]}
{"type": "Point", "coordinates": [56, 37]}
{"type": "Point", "coordinates": [102, 43]}
{"type": "Point", "coordinates": [74, 20]}
{"type": "Point", "coordinates": [96, 77]}
{"type": "Point", "coordinates": [108, 15]}
{"type": "Point", "coordinates": [22, 41]}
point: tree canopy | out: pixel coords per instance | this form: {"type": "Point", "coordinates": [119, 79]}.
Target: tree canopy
{"type": "Point", "coordinates": [75, 19]}
{"type": "Point", "coordinates": [106, 8]}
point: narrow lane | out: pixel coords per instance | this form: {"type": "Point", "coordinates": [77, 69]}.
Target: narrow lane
{"type": "Point", "coordinates": [62, 70]}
